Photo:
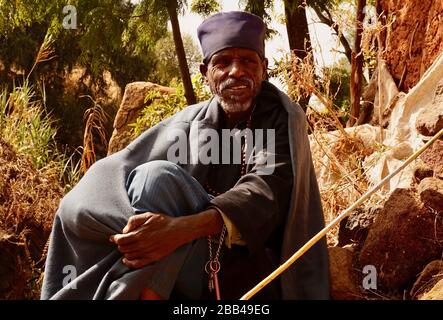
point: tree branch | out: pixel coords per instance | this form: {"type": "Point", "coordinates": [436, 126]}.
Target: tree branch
{"type": "Point", "coordinates": [333, 25]}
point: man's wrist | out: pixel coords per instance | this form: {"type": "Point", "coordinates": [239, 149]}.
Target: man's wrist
{"type": "Point", "coordinates": [203, 224]}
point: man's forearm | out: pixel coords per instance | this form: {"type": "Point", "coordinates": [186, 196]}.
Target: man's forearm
{"type": "Point", "coordinates": [203, 224]}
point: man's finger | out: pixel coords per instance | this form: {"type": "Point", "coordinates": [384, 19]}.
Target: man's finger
{"type": "Point", "coordinates": [137, 263]}
{"type": "Point", "coordinates": [136, 221]}
{"type": "Point", "coordinates": [128, 248]}
{"type": "Point", "coordinates": [123, 239]}
{"type": "Point", "coordinates": [133, 255]}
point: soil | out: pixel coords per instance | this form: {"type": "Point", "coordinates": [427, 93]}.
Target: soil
{"type": "Point", "coordinates": [414, 40]}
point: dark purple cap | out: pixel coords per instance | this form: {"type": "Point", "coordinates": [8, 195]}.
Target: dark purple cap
{"type": "Point", "coordinates": [234, 29]}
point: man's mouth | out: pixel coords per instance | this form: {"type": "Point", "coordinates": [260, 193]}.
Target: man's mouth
{"type": "Point", "coordinates": [237, 85]}
{"type": "Point", "coordinates": [240, 87]}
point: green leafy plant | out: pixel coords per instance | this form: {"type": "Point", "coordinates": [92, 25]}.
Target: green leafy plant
{"type": "Point", "coordinates": [161, 106]}
{"type": "Point", "coordinates": [31, 132]}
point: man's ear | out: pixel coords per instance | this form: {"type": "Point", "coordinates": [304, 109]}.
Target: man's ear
{"type": "Point", "coordinates": [204, 70]}
{"type": "Point", "coordinates": [265, 68]}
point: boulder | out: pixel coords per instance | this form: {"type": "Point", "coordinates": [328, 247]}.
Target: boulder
{"type": "Point", "coordinates": [433, 157]}
{"type": "Point", "coordinates": [428, 278]}
{"type": "Point", "coordinates": [132, 104]}
{"type": "Point", "coordinates": [355, 227]}
{"type": "Point", "coordinates": [430, 121]}
{"type": "Point", "coordinates": [402, 239]}
{"type": "Point", "coordinates": [422, 171]}
{"type": "Point", "coordinates": [342, 274]}
{"type": "Point", "coordinates": [431, 193]}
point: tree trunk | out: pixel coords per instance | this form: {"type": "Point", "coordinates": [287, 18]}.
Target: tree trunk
{"type": "Point", "coordinates": [297, 28]}
{"type": "Point", "coordinates": [298, 33]}
{"type": "Point", "coordinates": [180, 50]}
{"type": "Point", "coordinates": [357, 66]}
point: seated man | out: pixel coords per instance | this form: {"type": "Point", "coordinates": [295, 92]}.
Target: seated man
{"type": "Point", "coordinates": [211, 222]}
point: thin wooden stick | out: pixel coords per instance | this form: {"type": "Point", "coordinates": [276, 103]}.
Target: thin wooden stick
{"type": "Point", "coordinates": [340, 217]}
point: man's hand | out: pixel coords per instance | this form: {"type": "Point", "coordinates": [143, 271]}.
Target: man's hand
{"type": "Point", "coordinates": [148, 237]}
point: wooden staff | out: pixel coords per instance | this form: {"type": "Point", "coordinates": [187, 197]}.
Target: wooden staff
{"type": "Point", "coordinates": [340, 217]}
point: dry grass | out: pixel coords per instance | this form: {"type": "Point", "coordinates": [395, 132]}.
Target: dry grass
{"type": "Point", "coordinates": [28, 201]}
{"type": "Point", "coordinates": [341, 158]}
{"type": "Point", "coordinates": [95, 119]}
{"type": "Point", "coordinates": [45, 52]}
{"type": "Point", "coordinates": [339, 154]}
{"type": "Point", "coordinates": [304, 80]}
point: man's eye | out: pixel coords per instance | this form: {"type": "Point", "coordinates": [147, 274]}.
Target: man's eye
{"type": "Point", "coordinates": [222, 62]}
{"type": "Point", "coordinates": [248, 61]}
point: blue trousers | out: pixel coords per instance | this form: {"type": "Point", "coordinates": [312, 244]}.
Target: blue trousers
{"type": "Point", "coordinates": [164, 187]}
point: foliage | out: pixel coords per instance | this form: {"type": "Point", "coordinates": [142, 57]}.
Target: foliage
{"type": "Point", "coordinates": [112, 36]}
{"type": "Point", "coordinates": [339, 87]}
{"type": "Point", "coordinates": [159, 107]}
{"type": "Point", "coordinates": [205, 7]}
{"type": "Point", "coordinates": [330, 86]}
{"type": "Point", "coordinates": [25, 126]}
{"type": "Point", "coordinates": [262, 9]}
{"type": "Point", "coordinates": [100, 42]}
{"type": "Point", "coordinates": [167, 64]}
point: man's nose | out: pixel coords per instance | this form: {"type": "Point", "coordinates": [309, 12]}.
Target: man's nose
{"type": "Point", "coordinates": [236, 70]}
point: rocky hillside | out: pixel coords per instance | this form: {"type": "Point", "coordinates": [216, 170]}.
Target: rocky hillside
{"type": "Point", "coordinates": [414, 39]}
{"type": "Point", "coordinates": [392, 246]}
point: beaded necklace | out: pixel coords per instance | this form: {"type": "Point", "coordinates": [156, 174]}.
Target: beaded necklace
{"type": "Point", "coordinates": [214, 192]}
{"type": "Point", "coordinates": [212, 267]}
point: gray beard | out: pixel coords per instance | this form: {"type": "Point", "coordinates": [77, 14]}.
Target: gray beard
{"type": "Point", "coordinates": [232, 106]}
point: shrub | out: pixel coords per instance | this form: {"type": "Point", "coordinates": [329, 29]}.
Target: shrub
{"type": "Point", "coordinates": [159, 106]}
{"type": "Point", "coordinates": [31, 132]}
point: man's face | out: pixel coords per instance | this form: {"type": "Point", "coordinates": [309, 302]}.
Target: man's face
{"type": "Point", "coordinates": [235, 76]}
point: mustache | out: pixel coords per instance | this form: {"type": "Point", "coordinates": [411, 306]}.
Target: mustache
{"type": "Point", "coordinates": [243, 81]}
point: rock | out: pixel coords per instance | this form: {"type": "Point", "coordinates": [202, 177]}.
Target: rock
{"type": "Point", "coordinates": [355, 227]}
{"type": "Point", "coordinates": [431, 193]}
{"type": "Point", "coordinates": [132, 104]}
{"type": "Point", "coordinates": [433, 157]}
{"type": "Point", "coordinates": [422, 171]}
{"type": "Point", "coordinates": [436, 293]}
{"type": "Point", "coordinates": [430, 121]}
{"type": "Point", "coordinates": [402, 239]}
{"type": "Point", "coordinates": [400, 151]}
{"type": "Point", "coordinates": [342, 274]}
{"type": "Point", "coordinates": [430, 275]}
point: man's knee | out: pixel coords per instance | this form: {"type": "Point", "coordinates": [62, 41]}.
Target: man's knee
{"type": "Point", "coordinates": [153, 178]}
{"type": "Point", "coordinates": [154, 171]}
{"type": "Point", "coordinates": [77, 219]}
